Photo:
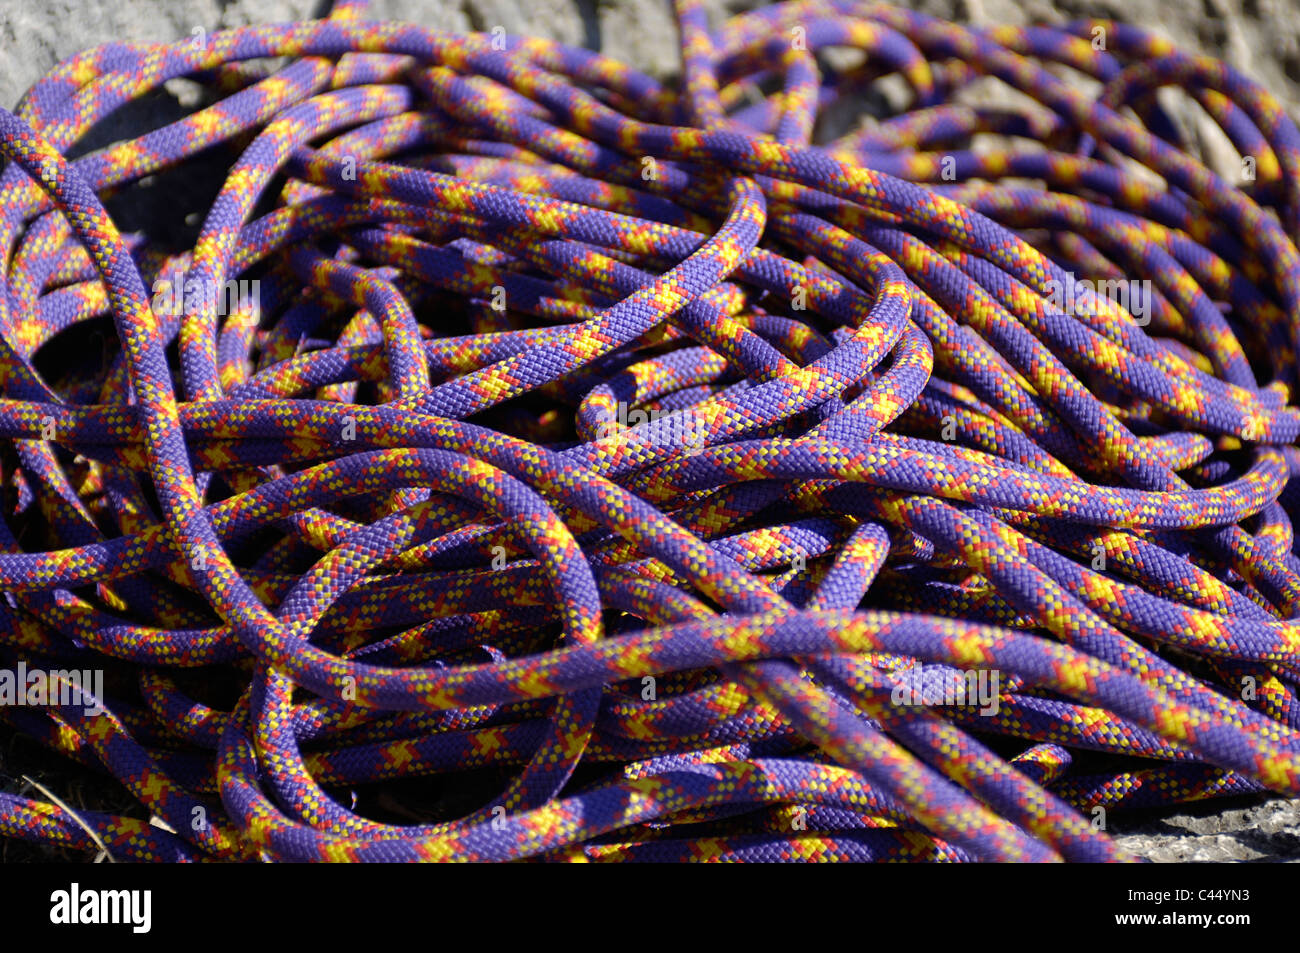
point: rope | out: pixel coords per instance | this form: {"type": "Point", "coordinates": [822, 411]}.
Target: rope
{"type": "Point", "coordinates": [653, 482]}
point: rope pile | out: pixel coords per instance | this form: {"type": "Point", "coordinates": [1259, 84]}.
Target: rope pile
{"type": "Point", "coordinates": [656, 475]}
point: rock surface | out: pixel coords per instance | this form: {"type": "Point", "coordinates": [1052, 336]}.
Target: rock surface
{"type": "Point", "coordinates": [1264, 832]}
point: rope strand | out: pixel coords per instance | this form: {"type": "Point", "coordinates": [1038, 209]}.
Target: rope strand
{"type": "Point", "coordinates": [671, 479]}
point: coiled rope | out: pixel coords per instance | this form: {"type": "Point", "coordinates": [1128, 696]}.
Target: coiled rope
{"type": "Point", "coordinates": [666, 486]}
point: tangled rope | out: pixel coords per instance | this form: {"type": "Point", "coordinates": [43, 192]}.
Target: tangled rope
{"type": "Point", "coordinates": [666, 485]}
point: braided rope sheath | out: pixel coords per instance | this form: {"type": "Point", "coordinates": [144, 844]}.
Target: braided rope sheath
{"type": "Point", "coordinates": [622, 454]}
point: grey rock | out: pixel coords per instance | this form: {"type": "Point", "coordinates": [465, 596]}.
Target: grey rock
{"type": "Point", "coordinates": [1263, 832]}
